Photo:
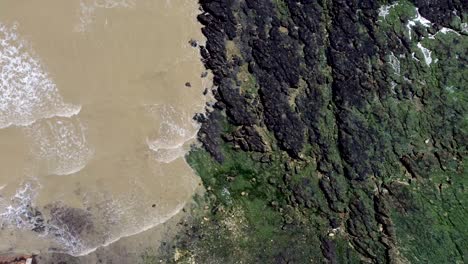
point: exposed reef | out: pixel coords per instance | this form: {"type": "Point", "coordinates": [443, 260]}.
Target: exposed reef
{"type": "Point", "coordinates": [338, 134]}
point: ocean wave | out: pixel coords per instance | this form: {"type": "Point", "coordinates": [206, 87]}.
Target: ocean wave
{"type": "Point", "coordinates": [175, 130]}
{"type": "Point", "coordinates": [142, 228]}
{"type": "Point", "coordinates": [89, 7]}
{"type": "Point", "coordinates": [73, 231]}
{"type": "Point", "coordinates": [27, 93]}
{"type": "Point", "coordinates": [166, 154]}
{"type": "Point", "coordinates": [20, 213]}
{"type": "Point", "coordinates": [61, 143]}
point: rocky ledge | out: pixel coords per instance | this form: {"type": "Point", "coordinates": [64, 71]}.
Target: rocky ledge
{"type": "Point", "coordinates": [338, 134]}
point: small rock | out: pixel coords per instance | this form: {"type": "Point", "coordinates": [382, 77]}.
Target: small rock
{"type": "Point", "coordinates": [188, 84]}
{"type": "Point", "coordinates": [193, 43]}
{"type": "Point", "coordinates": [265, 159]}
{"type": "Point", "coordinates": [283, 30]}
{"type": "Point", "coordinates": [204, 74]}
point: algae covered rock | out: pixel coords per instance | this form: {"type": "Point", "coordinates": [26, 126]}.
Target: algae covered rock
{"type": "Point", "coordinates": [340, 133]}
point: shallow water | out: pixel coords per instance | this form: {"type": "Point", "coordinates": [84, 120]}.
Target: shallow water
{"type": "Point", "coordinates": [95, 119]}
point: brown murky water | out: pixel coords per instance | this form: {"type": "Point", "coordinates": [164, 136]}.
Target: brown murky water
{"type": "Point", "coordinates": [95, 118]}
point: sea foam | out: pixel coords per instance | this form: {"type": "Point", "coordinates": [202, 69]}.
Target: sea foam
{"type": "Point", "coordinates": [88, 9]}
{"type": "Point", "coordinates": [62, 144]}
{"type": "Point", "coordinates": [175, 129]}
{"type": "Point", "coordinates": [18, 210]}
{"type": "Point", "coordinates": [20, 213]}
{"type": "Point", "coordinates": [27, 93]}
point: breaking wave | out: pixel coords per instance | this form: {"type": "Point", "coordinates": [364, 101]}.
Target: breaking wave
{"type": "Point", "coordinates": [18, 211]}
{"type": "Point", "coordinates": [89, 7]}
{"type": "Point", "coordinates": [73, 231]}
{"type": "Point", "coordinates": [27, 93]}
{"type": "Point", "coordinates": [175, 129]}
{"type": "Point", "coordinates": [62, 144]}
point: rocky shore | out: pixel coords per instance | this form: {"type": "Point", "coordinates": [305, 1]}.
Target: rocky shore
{"type": "Point", "coordinates": [25, 259]}
{"type": "Point", "coordinates": [338, 134]}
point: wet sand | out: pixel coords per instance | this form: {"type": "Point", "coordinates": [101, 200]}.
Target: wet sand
{"type": "Point", "coordinates": [95, 119]}
{"type": "Point", "coordinates": [153, 243]}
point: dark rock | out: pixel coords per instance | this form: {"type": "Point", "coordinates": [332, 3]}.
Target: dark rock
{"type": "Point", "coordinates": [329, 250]}
{"type": "Point", "coordinates": [441, 12]}
{"type": "Point", "coordinates": [323, 93]}
{"type": "Point", "coordinates": [210, 135]}
{"type": "Point", "coordinates": [249, 139]}
{"type": "Point", "coordinates": [201, 118]}
{"type": "Point", "coordinates": [193, 43]}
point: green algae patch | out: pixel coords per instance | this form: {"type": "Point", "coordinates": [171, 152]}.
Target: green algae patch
{"type": "Point", "coordinates": [433, 228]}
{"type": "Point", "coordinates": [380, 176]}
{"type": "Point", "coordinates": [282, 9]}
{"type": "Point", "coordinates": [250, 218]}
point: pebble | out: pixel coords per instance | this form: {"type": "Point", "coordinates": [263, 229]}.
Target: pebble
{"type": "Point", "coordinates": [193, 43]}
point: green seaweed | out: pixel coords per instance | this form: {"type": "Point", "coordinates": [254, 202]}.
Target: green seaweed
{"type": "Point", "coordinates": [265, 207]}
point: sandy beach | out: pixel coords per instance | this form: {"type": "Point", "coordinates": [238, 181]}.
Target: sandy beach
{"type": "Point", "coordinates": [96, 117]}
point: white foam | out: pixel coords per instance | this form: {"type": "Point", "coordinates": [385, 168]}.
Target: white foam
{"type": "Point", "coordinates": [123, 225]}
{"type": "Point", "coordinates": [418, 19]}
{"type": "Point", "coordinates": [17, 210]}
{"type": "Point", "coordinates": [175, 129]}
{"type": "Point", "coordinates": [426, 53]}
{"type": "Point", "coordinates": [62, 143]}
{"type": "Point", "coordinates": [464, 27]}
{"type": "Point", "coordinates": [89, 7]}
{"type": "Point", "coordinates": [384, 10]}
{"type": "Point", "coordinates": [27, 93]}
{"type": "Point", "coordinates": [444, 31]}
{"type": "Point", "coordinates": [71, 244]}
{"type": "Point", "coordinates": [169, 153]}
{"type": "Point", "coordinates": [18, 214]}
{"type": "Point", "coordinates": [394, 63]}
{"type": "Point", "coordinates": [142, 228]}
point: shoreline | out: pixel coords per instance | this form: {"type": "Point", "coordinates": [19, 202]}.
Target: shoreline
{"type": "Point", "coordinates": [133, 247]}
{"type": "Point", "coordinates": [301, 157]}
{"type": "Point", "coordinates": [325, 152]}
{"type": "Point", "coordinates": [147, 76]}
